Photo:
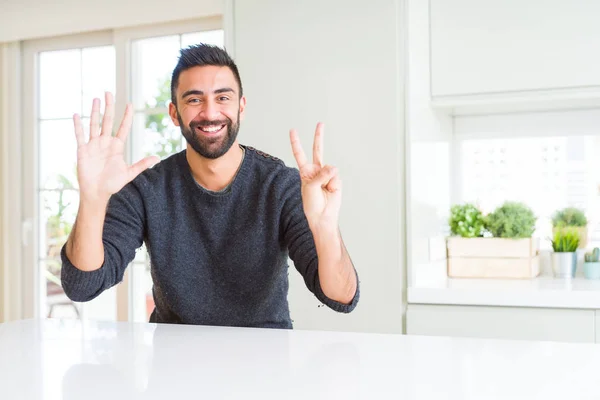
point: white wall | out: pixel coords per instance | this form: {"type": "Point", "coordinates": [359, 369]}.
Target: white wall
{"type": "Point", "coordinates": [3, 194]}
{"type": "Point", "coordinates": [341, 62]}
{"type": "Point", "coordinates": [10, 201]}
{"type": "Point", "coordinates": [27, 19]}
{"type": "Point", "coordinates": [430, 135]}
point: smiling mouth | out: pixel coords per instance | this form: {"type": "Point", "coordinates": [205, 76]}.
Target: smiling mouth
{"type": "Point", "coordinates": [210, 129]}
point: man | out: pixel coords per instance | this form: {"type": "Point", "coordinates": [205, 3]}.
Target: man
{"type": "Point", "coordinates": [219, 219]}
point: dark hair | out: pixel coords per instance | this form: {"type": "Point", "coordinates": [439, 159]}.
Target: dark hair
{"type": "Point", "coordinates": [200, 55]}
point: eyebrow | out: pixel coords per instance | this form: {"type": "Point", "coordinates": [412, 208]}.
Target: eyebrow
{"type": "Point", "coordinates": [201, 93]}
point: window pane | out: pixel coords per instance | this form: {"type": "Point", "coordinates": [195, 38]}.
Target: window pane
{"type": "Point", "coordinates": [141, 254]}
{"type": "Point", "coordinates": [156, 135]}
{"type": "Point", "coordinates": [216, 38]}
{"type": "Point", "coordinates": [546, 173]}
{"type": "Point", "coordinates": [98, 71]}
{"type": "Point", "coordinates": [58, 154]}
{"type": "Point", "coordinates": [142, 299]}
{"type": "Point", "coordinates": [57, 304]}
{"type": "Point", "coordinates": [58, 209]}
{"type": "Point", "coordinates": [153, 62]}
{"type": "Point", "coordinates": [60, 83]}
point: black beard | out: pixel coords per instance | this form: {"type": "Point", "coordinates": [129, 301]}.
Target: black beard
{"type": "Point", "coordinates": [210, 148]}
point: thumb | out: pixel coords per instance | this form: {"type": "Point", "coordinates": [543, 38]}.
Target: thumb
{"type": "Point", "coordinates": [141, 166]}
{"type": "Point", "coordinates": [326, 173]}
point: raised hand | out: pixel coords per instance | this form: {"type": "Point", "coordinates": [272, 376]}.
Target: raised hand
{"type": "Point", "coordinates": [321, 184]}
{"type": "Point", "coordinates": [101, 168]}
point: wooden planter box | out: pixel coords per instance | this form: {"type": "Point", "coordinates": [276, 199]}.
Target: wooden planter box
{"type": "Point", "coordinates": [493, 258]}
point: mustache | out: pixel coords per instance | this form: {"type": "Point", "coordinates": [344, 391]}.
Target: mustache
{"type": "Point", "coordinates": [206, 122]}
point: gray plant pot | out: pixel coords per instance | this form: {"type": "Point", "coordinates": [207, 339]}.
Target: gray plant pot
{"type": "Point", "coordinates": [564, 264]}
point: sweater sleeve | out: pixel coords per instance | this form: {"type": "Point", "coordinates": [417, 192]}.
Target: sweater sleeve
{"type": "Point", "coordinates": [301, 245]}
{"type": "Point", "coordinates": [123, 233]}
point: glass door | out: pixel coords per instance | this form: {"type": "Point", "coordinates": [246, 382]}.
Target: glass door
{"type": "Point", "coordinates": [63, 78]}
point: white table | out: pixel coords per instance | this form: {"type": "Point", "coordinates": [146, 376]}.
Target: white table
{"type": "Point", "coordinates": [54, 359]}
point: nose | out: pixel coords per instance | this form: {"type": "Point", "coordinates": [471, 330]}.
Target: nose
{"type": "Point", "coordinates": [210, 111]}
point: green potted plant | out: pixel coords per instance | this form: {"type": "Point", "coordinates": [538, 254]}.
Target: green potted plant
{"type": "Point", "coordinates": [571, 218]}
{"type": "Point", "coordinates": [499, 245]}
{"type": "Point", "coordinates": [512, 220]}
{"type": "Point", "coordinates": [466, 220]}
{"type": "Point", "coordinates": [564, 257]}
{"type": "Point", "coordinates": [591, 264]}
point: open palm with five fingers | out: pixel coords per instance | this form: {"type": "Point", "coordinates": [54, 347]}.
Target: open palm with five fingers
{"type": "Point", "coordinates": [101, 167]}
{"type": "Point", "coordinates": [321, 184]}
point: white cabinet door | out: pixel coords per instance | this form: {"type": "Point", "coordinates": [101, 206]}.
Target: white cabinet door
{"type": "Point", "coordinates": [561, 325]}
{"type": "Point", "coordinates": [492, 47]}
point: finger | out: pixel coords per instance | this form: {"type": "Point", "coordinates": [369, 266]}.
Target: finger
{"type": "Point", "coordinates": [141, 166]}
{"type": "Point", "coordinates": [79, 135]}
{"type": "Point", "coordinates": [109, 113]}
{"type": "Point", "coordinates": [318, 145]}
{"type": "Point", "coordinates": [95, 118]}
{"type": "Point", "coordinates": [324, 176]}
{"type": "Point", "coordinates": [125, 126]}
{"type": "Point", "coordinates": [334, 184]}
{"type": "Point", "coordinates": [297, 149]}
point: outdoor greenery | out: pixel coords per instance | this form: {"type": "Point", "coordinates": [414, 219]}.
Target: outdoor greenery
{"type": "Point", "coordinates": [168, 140]}
{"type": "Point", "coordinates": [57, 226]}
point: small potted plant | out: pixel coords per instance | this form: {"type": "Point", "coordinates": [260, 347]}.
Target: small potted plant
{"type": "Point", "coordinates": [591, 264]}
{"type": "Point", "coordinates": [571, 218]}
{"type": "Point", "coordinates": [466, 220]}
{"type": "Point", "coordinates": [564, 257]}
{"type": "Point", "coordinates": [512, 220]}
{"type": "Point", "coordinates": [500, 245]}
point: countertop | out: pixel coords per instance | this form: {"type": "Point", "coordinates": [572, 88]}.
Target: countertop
{"type": "Point", "coordinates": [430, 285]}
{"type": "Point", "coordinates": [69, 359]}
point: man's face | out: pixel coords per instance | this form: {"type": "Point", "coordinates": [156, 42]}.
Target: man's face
{"type": "Point", "coordinates": [209, 109]}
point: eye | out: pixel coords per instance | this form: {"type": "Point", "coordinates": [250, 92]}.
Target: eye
{"type": "Point", "coordinates": [193, 101]}
{"type": "Point", "coordinates": [223, 98]}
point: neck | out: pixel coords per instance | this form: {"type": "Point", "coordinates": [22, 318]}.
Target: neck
{"type": "Point", "coordinates": [215, 174]}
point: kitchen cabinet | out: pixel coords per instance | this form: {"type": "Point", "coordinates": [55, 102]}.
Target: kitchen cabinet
{"type": "Point", "coordinates": [512, 48]}
{"type": "Point", "coordinates": [521, 323]}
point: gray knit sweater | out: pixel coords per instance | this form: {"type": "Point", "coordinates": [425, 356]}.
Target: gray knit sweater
{"type": "Point", "coordinates": [216, 258]}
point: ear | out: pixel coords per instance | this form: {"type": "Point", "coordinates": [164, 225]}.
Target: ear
{"type": "Point", "coordinates": [242, 107]}
{"type": "Point", "coordinates": [173, 114]}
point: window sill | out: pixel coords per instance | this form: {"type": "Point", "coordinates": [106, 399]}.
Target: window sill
{"type": "Point", "coordinates": [431, 285]}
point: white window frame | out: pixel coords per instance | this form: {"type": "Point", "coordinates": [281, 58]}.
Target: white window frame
{"type": "Point", "coordinates": [121, 39]}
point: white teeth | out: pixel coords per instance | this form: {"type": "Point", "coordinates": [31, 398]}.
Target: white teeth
{"type": "Point", "coordinates": [211, 129]}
